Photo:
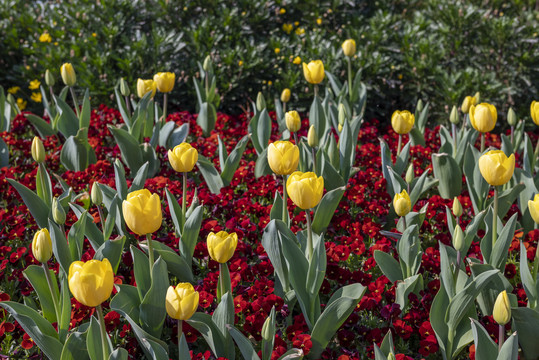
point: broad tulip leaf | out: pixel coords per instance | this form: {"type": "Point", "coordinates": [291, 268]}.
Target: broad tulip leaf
{"type": "Point", "coordinates": [326, 209]}
{"type": "Point", "coordinates": [4, 154]}
{"type": "Point", "coordinates": [262, 166]}
{"type": "Point", "coordinates": [129, 146]}
{"type": "Point", "coordinates": [119, 354]}
{"type": "Point", "coordinates": [191, 230]}
{"type": "Point", "coordinates": [141, 270]}
{"type": "Point", "coordinates": [75, 238]}
{"type": "Point", "coordinates": [488, 295]}
{"type": "Point", "coordinates": [273, 243]}
{"type": "Point", "coordinates": [526, 321]}
{"type": "Point", "coordinates": [68, 123]}
{"type": "Point", "coordinates": [389, 266]}
{"type": "Point", "coordinates": [176, 264]}
{"type": "Point", "coordinates": [449, 175]}
{"type": "Point", "coordinates": [38, 208]}
{"type": "Point", "coordinates": [90, 228]}
{"type": "Point", "coordinates": [207, 117]}
{"type": "Point", "coordinates": [210, 174]}
{"type": "Point", "coordinates": [94, 343]}
{"type": "Point", "coordinates": [276, 211]}
{"type": "Point", "coordinates": [165, 132]}
{"type": "Point", "coordinates": [152, 307]}
{"type": "Point", "coordinates": [184, 349]}
{"type": "Point", "coordinates": [43, 128]}
{"type": "Point", "coordinates": [36, 276]}
{"type": "Point", "coordinates": [178, 136]}
{"type": "Point", "coordinates": [112, 250]}
{"type": "Point", "coordinates": [77, 153]}
{"type": "Point", "coordinates": [413, 284]}
{"type": "Point", "coordinates": [317, 118]}
{"type": "Point", "coordinates": [127, 300]}
{"type": "Point", "coordinates": [75, 347]}
{"type": "Point", "coordinates": [122, 107]}
{"type": "Point", "coordinates": [84, 120]}
{"type": "Point", "coordinates": [332, 178]}
{"type": "Point", "coordinates": [528, 283]}
{"type": "Point", "coordinates": [119, 180]}
{"type": "Point", "coordinates": [509, 350]}
{"type": "Point", "coordinates": [60, 247]}
{"type": "Point", "coordinates": [224, 315]}
{"type": "Point", "coordinates": [175, 212]}
{"type": "Point", "coordinates": [485, 348]}
{"type": "Point", "coordinates": [233, 160]}
{"type": "Point", "coordinates": [245, 346]}
{"type": "Point", "coordinates": [65, 309]}
{"type": "Point", "coordinates": [292, 354]}
{"type": "Point", "coordinates": [501, 247]}
{"type": "Point", "coordinates": [211, 333]}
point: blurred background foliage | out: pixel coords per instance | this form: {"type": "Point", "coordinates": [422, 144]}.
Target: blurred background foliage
{"type": "Point", "coordinates": [436, 50]}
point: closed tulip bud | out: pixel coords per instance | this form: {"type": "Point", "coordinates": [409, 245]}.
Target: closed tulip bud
{"type": "Point", "coordinates": [339, 128]}
{"type": "Point", "coordinates": [410, 174]}
{"type": "Point", "coordinates": [293, 121]}
{"type": "Point", "coordinates": [96, 195]}
{"type": "Point", "coordinates": [42, 245]}
{"type": "Point", "coordinates": [533, 206]}
{"type": "Point", "coordinates": [402, 203]}
{"type": "Point", "coordinates": [266, 330]}
{"type": "Point", "coordinates": [314, 71]}
{"type": "Point", "coordinates": [68, 74]}
{"type": "Point", "coordinates": [457, 207]}
{"type": "Point", "coordinates": [458, 238]}
{"type": "Point", "coordinates": [483, 117]}
{"type": "Point", "coordinates": [312, 138]}
{"type": "Point", "coordinates": [283, 157]}
{"type": "Point", "coordinates": [419, 107]}
{"type": "Point", "coordinates": [305, 189]}
{"type": "Point", "coordinates": [146, 86]}
{"type": "Point", "coordinates": [49, 79]}
{"type": "Point", "coordinates": [496, 167]}
{"type": "Point", "coordinates": [285, 95]}
{"type": "Point", "coordinates": [38, 150]}
{"type": "Point", "coordinates": [221, 246]}
{"type": "Point", "coordinates": [142, 212]}
{"type": "Point", "coordinates": [181, 301]}
{"type": "Point", "coordinates": [454, 117]}
{"type": "Point", "coordinates": [402, 121]}
{"type": "Point", "coordinates": [467, 102]}
{"type": "Point", "coordinates": [342, 114]}
{"type": "Point", "coordinates": [58, 212]}
{"type": "Point", "coordinates": [391, 356]}
{"type": "Point", "coordinates": [534, 112]}
{"type": "Point", "coordinates": [91, 282]}
{"type": "Point", "coordinates": [502, 309]}
{"type": "Point", "coordinates": [124, 87]}
{"type": "Point", "coordinates": [349, 47]}
{"type": "Point", "coordinates": [183, 157]}
{"type": "Point", "coordinates": [164, 81]}
{"type": "Point", "coordinates": [511, 117]}
{"type": "Point", "coordinates": [260, 102]}
{"type": "Point", "coordinates": [207, 66]}
{"type": "Point", "coordinates": [477, 97]}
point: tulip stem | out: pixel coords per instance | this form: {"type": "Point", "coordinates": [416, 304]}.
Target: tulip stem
{"type": "Point", "coordinates": [101, 219]}
{"type": "Point", "coordinates": [74, 96]}
{"type": "Point", "coordinates": [314, 160]}
{"type": "Point", "coordinates": [104, 337]}
{"type": "Point", "coordinates": [458, 265]}
{"type": "Point", "coordinates": [53, 294]}
{"type": "Point", "coordinates": [501, 337]}
{"type": "Point", "coordinates": [180, 332]}
{"type": "Point", "coordinates": [284, 108]}
{"type": "Point", "coordinates": [350, 86]}
{"type": "Point", "coordinates": [296, 139]}
{"type": "Point", "coordinates": [165, 101]}
{"type": "Point", "coordinates": [309, 235]}
{"type": "Point", "coordinates": [482, 142]}
{"type": "Point", "coordinates": [285, 203]}
{"type": "Point", "coordinates": [495, 218]}
{"type": "Point", "coordinates": [184, 199]}
{"type": "Point", "coordinates": [454, 131]}
{"type": "Point", "coordinates": [535, 154]}
{"type": "Point", "coordinates": [512, 135]}
{"type": "Point", "coordinates": [128, 105]}
{"type": "Point", "coordinates": [221, 291]}
{"type": "Point", "coordinates": [399, 145]}
{"type": "Point", "coordinates": [150, 252]}
{"type": "Point", "coordinates": [316, 90]}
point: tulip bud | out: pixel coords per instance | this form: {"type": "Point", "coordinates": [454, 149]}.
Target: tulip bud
{"type": "Point", "coordinates": [534, 111]}
{"type": "Point", "coordinates": [305, 189]}
{"type": "Point", "coordinates": [454, 117]}
{"type": "Point", "coordinates": [38, 151]}
{"type": "Point", "coordinates": [96, 195]}
{"type": "Point", "coordinates": [68, 74]}
{"type": "Point", "coordinates": [260, 102]}
{"type": "Point", "coordinates": [293, 121]}
{"type": "Point", "coordinates": [457, 207]}
{"type": "Point", "coordinates": [124, 87]}
{"type": "Point", "coordinates": [221, 246]}
{"type": "Point", "coordinates": [49, 79]}
{"type": "Point", "coordinates": [342, 114]}
{"type": "Point", "coordinates": [502, 309]}
{"type": "Point", "coordinates": [410, 174]}
{"type": "Point", "coordinates": [312, 138]}
{"type": "Point", "coordinates": [285, 95]}
{"type": "Point", "coordinates": [419, 107]}
{"type": "Point", "coordinates": [512, 117]}
{"type": "Point", "coordinates": [477, 97]}
{"type": "Point", "coordinates": [207, 64]}
{"type": "Point", "coordinates": [266, 331]}
{"type": "Point", "coordinates": [42, 245]}
{"type": "Point", "coordinates": [458, 238]}
{"type": "Point", "coordinates": [349, 47]}
{"type": "Point", "coordinates": [391, 356]}
{"type": "Point", "coordinates": [533, 207]}
{"type": "Point", "coordinates": [402, 203]}
{"type": "Point", "coordinates": [58, 212]}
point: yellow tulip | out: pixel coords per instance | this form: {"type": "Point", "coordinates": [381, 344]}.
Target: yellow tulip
{"type": "Point", "coordinates": [534, 208]}
{"type": "Point", "coordinates": [314, 71]}
{"type": "Point", "coordinates": [146, 86]}
{"type": "Point", "coordinates": [221, 246]}
{"type": "Point", "coordinates": [402, 121]}
{"type": "Point", "coordinates": [164, 81]}
{"type": "Point", "coordinates": [502, 309]}
{"type": "Point", "coordinates": [534, 111]}
{"type": "Point", "coordinates": [68, 74]}
{"type": "Point", "coordinates": [496, 168]}
{"type": "Point", "coordinates": [467, 102]}
{"type": "Point", "coordinates": [285, 95]}
{"type": "Point", "coordinates": [38, 150]}
{"type": "Point", "coordinates": [91, 282]}
{"type": "Point", "coordinates": [305, 189]}
{"type": "Point", "coordinates": [312, 138]}
{"type": "Point", "coordinates": [483, 117]}
{"type": "Point", "coordinates": [181, 301]}
{"type": "Point", "coordinates": [283, 157]}
{"type": "Point", "coordinates": [293, 121]}
{"type": "Point", "coordinates": [402, 203]}
{"type": "Point", "coordinates": [42, 245]}
{"type": "Point", "coordinates": [183, 157]}
{"type": "Point", "coordinates": [349, 47]}
{"type": "Point", "coordinates": [142, 212]}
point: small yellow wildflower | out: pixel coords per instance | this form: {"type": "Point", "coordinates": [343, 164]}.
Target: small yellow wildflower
{"type": "Point", "coordinates": [240, 63]}
{"type": "Point", "coordinates": [13, 90]}
{"type": "Point", "coordinates": [277, 50]}
{"type": "Point", "coordinates": [45, 37]}
{"type": "Point", "coordinates": [282, 11]}
{"type": "Point", "coordinates": [319, 21]}
{"type": "Point", "coordinates": [297, 60]}
{"type": "Point", "coordinates": [94, 34]}
{"type": "Point", "coordinates": [34, 84]}
{"type": "Point", "coordinates": [36, 97]}
{"type": "Point", "coordinates": [296, 23]}
{"type": "Point", "coordinates": [288, 28]}
{"type": "Point", "coordinates": [21, 104]}
{"type": "Point", "coordinates": [300, 31]}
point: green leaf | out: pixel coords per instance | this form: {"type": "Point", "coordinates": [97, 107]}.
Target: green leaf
{"type": "Point", "coordinates": [36, 276]}
{"type": "Point", "coordinates": [207, 117]}
{"type": "Point", "coordinates": [176, 264]}
{"type": "Point", "coordinates": [184, 349]}
{"type": "Point", "coordinates": [449, 175]}
{"type": "Point", "coordinates": [245, 346]}
{"type": "Point", "coordinates": [501, 247]}
{"type": "Point", "coordinates": [178, 136]}
{"type": "Point", "coordinates": [127, 300]}
{"type": "Point", "coordinates": [4, 153]}
{"type": "Point", "coordinates": [224, 314]}
{"type": "Point", "coordinates": [75, 347]}
{"type": "Point", "coordinates": [43, 128]}
{"type": "Point", "coordinates": [233, 160]}
{"type": "Point", "coordinates": [262, 166]}
{"type": "Point", "coordinates": [276, 211]}
{"type": "Point", "coordinates": [68, 123]}
{"type": "Point", "coordinates": [530, 285]}
{"type": "Point", "coordinates": [119, 354]}
{"type": "Point", "coordinates": [485, 348]}
{"type": "Point", "coordinates": [38, 208]}
{"type": "Point", "coordinates": [152, 307]}
{"type": "Point", "coordinates": [272, 243]}
{"type": "Point", "coordinates": [191, 230]}
{"type": "Point", "coordinates": [65, 309]}
{"type": "Point", "coordinates": [75, 238]}
{"type": "Point", "coordinates": [526, 321]}
{"type": "Point", "coordinates": [389, 266]}
{"type": "Point", "coordinates": [77, 153]}
{"type": "Point", "coordinates": [94, 343]}
{"type": "Point", "coordinates": [326, 209]}
{"type": "Point", "coordinates": [90, 228]}
{"type": "Point", "coordinates": [211, 333]}
{"type": "Point", "coordinates": [509, 350]}
{"type": "Point", "coordinates": [317, 118]}
{"type": "Point", "coordinates": [60, 247]}
{"type": "Point", "coordinates": [84, 120]}
{"type": "Point", "coordinates": [413, 284]}
{"type": "Point", "coordinates": [141, 269]}
{"type": "Point", "coordinates": [112, 250]}
{"type": "Point", "coordinates": [129, 146]}
{"type": "Point", "coordinates": [210, 174]}
{"type": "Point", "coordinates": [119, 180]}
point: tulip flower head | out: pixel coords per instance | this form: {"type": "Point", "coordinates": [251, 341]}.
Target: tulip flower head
{"type": "Point", "coordinates": [221, 246]}
{"type": "Point", "coordinates": [142, 212]}
{"type": "Point", "coordinates": [312, 138]}
{"type": "Point", "coordinates": [146, 86]}
{"type": "Point", "coordinates": [467, 102]}
{"type": "Point", "coordinates": [496, 167]}
{"type": "Point", "coordinates": [305, 189]}
{"type": "Point", "coordinates": [38, 150]}
{"type": "Point", "coordinates": [402, 121]}
{"type": "Point", "coordinates": [314, 71]}
{"type": "Point", "coordinates": [285, 95]}
{"type": "Point", "coordinates": [349, 47]}
{"type": "Point", "coordinates": [533, 206]}
{"type": "Point", "coordinates": [483, 117]}
{"type": "Point", "coordinates": [42, 245]}
{"type": "Point", "coordinates": [181, 301]}
{"type": "Point", "coordinates": [183, 157]}
{"type": "Point", "coordinates": [502, 309]}
{"type": "Point", "coordinates": [91, 282]}
{"type": "Point", "coordinates": [293, 121]}
{"type": "Point", "coordinates": [402, 203]}
{"type": "Point", "coordinates": [283, 157]}
{"type": "Point", "coordinates": [164, 81]}
{"type": "Point", "coordinates": [534, 111]}
{"type": "Point", "coordinates": [68, 74]}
